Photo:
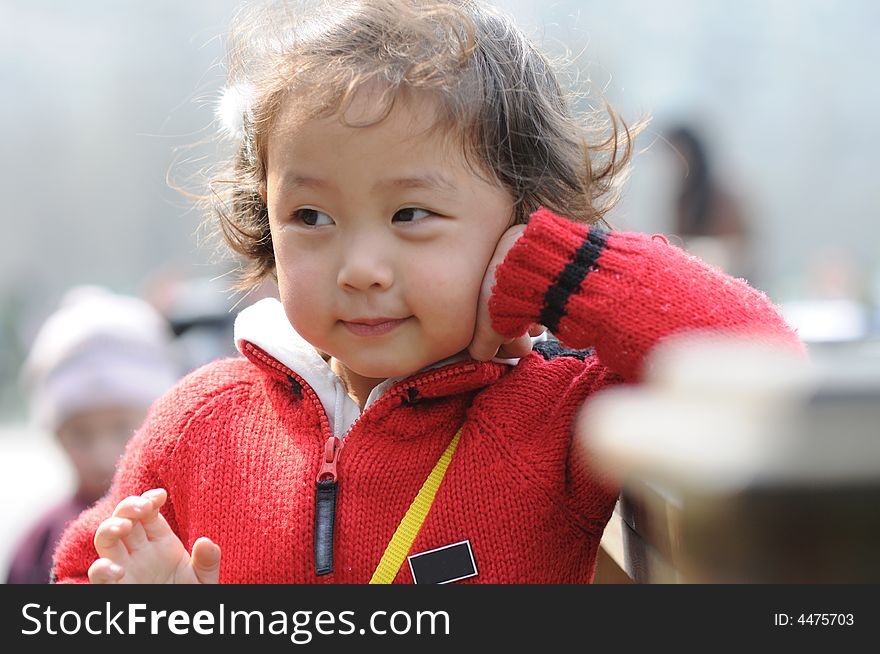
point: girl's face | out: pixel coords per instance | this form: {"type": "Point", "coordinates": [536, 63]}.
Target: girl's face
{"type": "Point", "coordinates": [382, 236]}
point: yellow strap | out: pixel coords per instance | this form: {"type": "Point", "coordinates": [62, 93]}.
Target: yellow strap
{"type": "Point", "coordinates": [409, 527]}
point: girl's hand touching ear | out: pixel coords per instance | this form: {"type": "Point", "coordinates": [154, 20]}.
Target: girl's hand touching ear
{"type": "Point", "coordinates": [487, 343]}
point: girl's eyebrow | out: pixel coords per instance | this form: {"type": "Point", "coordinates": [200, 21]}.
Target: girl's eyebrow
{"type": "Point", "coordinates": [304, 181]}
{"type": "Point", "coordinates": [431, 181]}
{"type": "Point", "coordinates": [426, 181]}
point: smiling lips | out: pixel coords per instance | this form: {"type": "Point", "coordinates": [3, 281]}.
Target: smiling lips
{"type": "Point", "coordinates": [373, 326]}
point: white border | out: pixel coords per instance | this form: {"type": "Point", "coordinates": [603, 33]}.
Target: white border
{"type": "Point", "coordinates": [437, 549]}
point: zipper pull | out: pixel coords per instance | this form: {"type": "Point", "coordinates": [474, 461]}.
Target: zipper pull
{"type": "Point", "coordinates": [325, 507]}
{"type": "Point", "coordinates": [328, 464]}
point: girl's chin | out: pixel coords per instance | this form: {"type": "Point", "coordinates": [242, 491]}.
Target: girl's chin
{"type": "Point", "coordinates": [369, 371]}
{"type": "Point", "coordinates": [392, 365]}
{"type": "Point", "coordinates": [382, 369]}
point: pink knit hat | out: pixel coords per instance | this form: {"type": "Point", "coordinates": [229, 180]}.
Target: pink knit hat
{"type": "Point", "coordinates": [98, 350]}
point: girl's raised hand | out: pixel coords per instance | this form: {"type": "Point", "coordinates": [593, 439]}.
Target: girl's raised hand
{"type": "Point", "coordinates": [137, 546]}
{"type": "Point", "coordinates": [487, 343]}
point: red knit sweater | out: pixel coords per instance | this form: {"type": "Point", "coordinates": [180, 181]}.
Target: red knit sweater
{"type": "Point", "coordinates": [238, 443]}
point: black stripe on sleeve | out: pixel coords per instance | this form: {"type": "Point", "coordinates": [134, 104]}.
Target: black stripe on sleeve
{"type": "Point", "coordinates": [569, 281]}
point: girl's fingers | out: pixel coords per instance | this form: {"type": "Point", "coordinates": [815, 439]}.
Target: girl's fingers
{"type": "Point", "coordinates": [156, 497]}
{"type": "Point", "coordinates": [143, 511]}
{"type": "Point", "coordinates": [135, 509]}
{"type": "Point", "coordinates": [108, 538]}
{"type": "Point", "coordinates": [206, 560]}
{"type": "Point", "coordinates": [105, 571]}
{"type": "Point", "coordinates": [483, 349]}
{"type": "Point", "coordinates": [486, 341]}
{"type": "Point", "coordinates": [487, 344]}
{"type": "Point", "coordinates": [134, 506]}
{"type": "Point", "coordinates": [136, 539]}
{"type": "Point", "coordinates": [153, 522]}
{"type": "Point", "coordinates": [125, 533]}
{"type": "Point", "coordinates": [516, 348]}
{"type": "Point", "coordinates": [537, 330]}
{"type": "Point", "coordinates": [155, 526]}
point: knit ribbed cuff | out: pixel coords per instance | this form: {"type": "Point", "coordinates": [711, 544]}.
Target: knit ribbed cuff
{"type": "Point", "coordinates": [541, 271]}
{"type": "Point", "coordinates": [565, 276]}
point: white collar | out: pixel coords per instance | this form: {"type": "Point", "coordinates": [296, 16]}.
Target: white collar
{"type": "Point", "coordinates": [265, 325]}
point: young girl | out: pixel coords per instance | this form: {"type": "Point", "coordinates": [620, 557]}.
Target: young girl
{"type": "Point", "coordinates": [402, 170]}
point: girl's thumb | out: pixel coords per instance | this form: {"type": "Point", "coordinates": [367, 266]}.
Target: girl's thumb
{"type": "Point", "coordinates": [206, 560]}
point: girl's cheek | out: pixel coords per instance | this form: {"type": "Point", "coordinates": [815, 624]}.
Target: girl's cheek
{"type": "Point", "coordinates": [450, 298]}
{"type": "Point", "coordinates": [302, 291]}
{"type": "Point", "coordinates": [298, 266]}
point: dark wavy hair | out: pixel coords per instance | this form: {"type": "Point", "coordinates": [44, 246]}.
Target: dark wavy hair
{"type": "Point", "coordinates": [494, 92]}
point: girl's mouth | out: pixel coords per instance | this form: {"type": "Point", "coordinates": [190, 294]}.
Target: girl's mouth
{"type": "Point", "coordinates": [373, 326]}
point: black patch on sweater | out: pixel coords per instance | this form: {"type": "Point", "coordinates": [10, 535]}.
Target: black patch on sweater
{"type": "Point", "coordinates": [552, 349]}
{"type": "Point", "coordinates": [569, 281]}
{"type": "Point", "coordinates": [412, 400]}
{"type": "Point", "coordinates": [296, 387]}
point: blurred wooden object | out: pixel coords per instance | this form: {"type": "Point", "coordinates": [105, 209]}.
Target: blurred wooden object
{"type": "Point", "coordinates": [760, 534]}
{"type": "Point", "coordinates": [639, 542]}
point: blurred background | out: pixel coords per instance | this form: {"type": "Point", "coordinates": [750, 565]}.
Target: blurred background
{"type": "Point", "coordinates": [758, 158]}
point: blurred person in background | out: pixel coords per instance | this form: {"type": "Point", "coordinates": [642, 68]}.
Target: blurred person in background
{"type": "Point", "coordinates": [95, 367]}
{"type": "Point", "coordinates": [707, 216]}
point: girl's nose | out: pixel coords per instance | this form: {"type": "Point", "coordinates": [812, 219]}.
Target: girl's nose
{"type": "Point", "coordinates": [366, 264]}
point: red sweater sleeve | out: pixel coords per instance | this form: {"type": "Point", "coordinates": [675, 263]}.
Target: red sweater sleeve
{"type": "Point", "coordinates": [620, 292]}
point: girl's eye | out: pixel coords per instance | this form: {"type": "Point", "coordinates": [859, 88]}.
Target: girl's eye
{"type": "Point", "coordinates": [312, 217]}
{"type": "Point", "coordinates": [410, 215]}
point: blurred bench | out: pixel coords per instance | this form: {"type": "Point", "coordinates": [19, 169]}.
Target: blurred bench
{"type": "Point", "coordinates": [765, 533]}
{"type": "Point", "coordinates": [639, 543]}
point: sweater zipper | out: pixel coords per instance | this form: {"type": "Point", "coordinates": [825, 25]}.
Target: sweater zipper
{"type": "Point", "coordinates": [327, 485]}
{"type": "Point", "coordinates": [327, 482]}
{"type": "Point", "coordinates": [325, 506]}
